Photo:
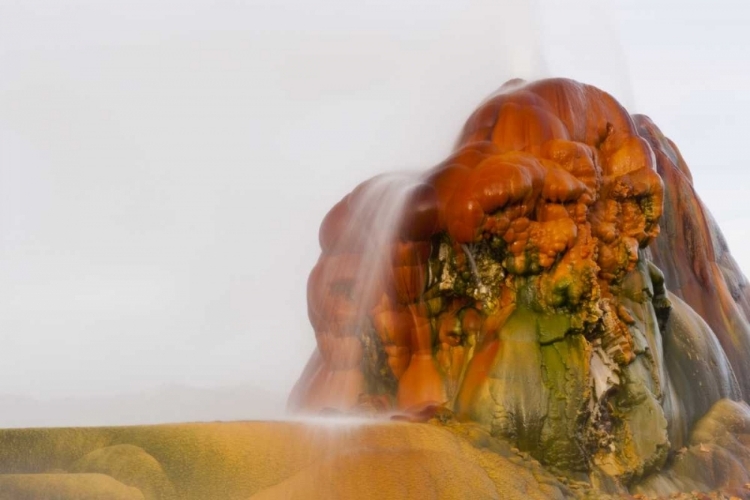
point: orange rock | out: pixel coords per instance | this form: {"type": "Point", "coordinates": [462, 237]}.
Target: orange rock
{"type": "Point", "coordinates": [526, 234]}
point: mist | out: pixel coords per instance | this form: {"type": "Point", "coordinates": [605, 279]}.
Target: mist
{"type": "Point", "coordinates": [164, 168]}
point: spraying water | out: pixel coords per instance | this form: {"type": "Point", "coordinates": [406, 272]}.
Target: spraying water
{"type": "Point", "coordinates": [359, 238]}
{"type": "Point", "coordinates": [473, 265]}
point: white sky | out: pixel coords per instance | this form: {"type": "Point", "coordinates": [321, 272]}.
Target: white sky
{"type": "Point", "coordinates": [164, 165]}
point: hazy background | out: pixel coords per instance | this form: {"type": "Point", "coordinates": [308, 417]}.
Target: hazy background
{"type": "Point", "coordinates": [164, 166]}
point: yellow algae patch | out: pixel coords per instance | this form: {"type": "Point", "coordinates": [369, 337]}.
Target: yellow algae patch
{"type": "Point", "coordinates": [240, 459]}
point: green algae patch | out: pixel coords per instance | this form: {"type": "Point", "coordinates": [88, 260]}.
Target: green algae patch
{"type": "Point", "coordinates": [553, 327]}
{"type": "Point", "coordinates": [515, 382]}
{"type": "Point", "coordinates": [566, 369]}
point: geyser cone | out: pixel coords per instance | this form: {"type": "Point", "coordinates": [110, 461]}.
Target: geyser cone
{"type": "Point", "coordinates": [517, 285]}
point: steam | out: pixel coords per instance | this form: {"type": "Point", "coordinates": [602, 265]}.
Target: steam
{"type": "Point", "coordinates": [164, 181]}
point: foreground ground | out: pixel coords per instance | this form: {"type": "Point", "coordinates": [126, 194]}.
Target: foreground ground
{"type": "Point", "coordinates": [325, 459]}
{"type": "Point", "coordinates": [242, 460]}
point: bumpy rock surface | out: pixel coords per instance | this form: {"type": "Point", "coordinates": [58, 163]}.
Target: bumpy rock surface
{"type": "Point", "coordinates": [522, 285]}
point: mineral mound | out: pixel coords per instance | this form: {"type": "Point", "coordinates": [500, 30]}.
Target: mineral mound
{"type": "Point", "coordinates": [555, 281]}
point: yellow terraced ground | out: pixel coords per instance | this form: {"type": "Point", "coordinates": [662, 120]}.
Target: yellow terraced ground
{"type": "Point", "coordinates": [264, 460]}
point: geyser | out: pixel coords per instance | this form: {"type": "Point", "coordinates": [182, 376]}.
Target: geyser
{"type": "Point", "coordinates": [523, 285]}
{"type": "Point", "coordinates": [553, 299]}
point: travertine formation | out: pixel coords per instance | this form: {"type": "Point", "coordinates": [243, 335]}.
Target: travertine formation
{"type": "Point", "coordinates": [520, 287]}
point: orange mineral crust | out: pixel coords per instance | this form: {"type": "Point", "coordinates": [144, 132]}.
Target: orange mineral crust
{"type": "Point", "coordinates": [517, 285]}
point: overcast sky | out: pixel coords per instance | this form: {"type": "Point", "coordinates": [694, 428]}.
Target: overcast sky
{"type": "Point", "coordinates": [164, 165]}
